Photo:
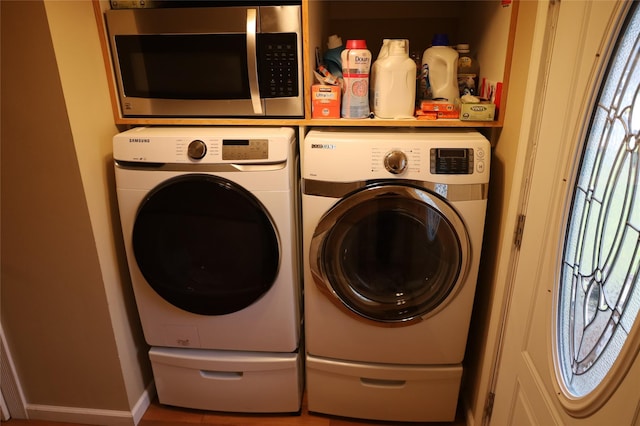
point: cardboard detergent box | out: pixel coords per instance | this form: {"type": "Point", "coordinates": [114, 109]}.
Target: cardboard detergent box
{"type": "Point", "coordinates": [434, 110]}
{"type": "Point", "coordinates": [483, 111]}
{"type": "Point", "coordinates": [437, 106]}
{"type": "Point", "coordinates": [325, 101]}
{"type": "Point", "coordinates": [436, 115]}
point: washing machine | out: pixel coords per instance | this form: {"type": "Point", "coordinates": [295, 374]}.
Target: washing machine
{"type": "Point", "coordinates": [210, 219]}
{"type": "Point", "coordinates": [393, 225]}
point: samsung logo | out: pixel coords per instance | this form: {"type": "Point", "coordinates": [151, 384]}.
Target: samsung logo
{"type": "Point", "coordinates": [139, 140]}
{"type": "Point", "coordinates": [323, 146]}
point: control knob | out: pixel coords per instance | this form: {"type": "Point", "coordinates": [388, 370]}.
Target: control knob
{"type": "Point", "coordinates": [197, 149]}
{"type": "Point", "coordinates": [395, 162]}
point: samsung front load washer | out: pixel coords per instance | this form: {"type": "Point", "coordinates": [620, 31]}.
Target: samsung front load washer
{"type": "Point", "coordinates": [209, 218]}
{"type": "Point", "coordinates": [393, 224]}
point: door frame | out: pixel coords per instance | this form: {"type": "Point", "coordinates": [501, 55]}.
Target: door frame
{"type": "Point", "coordinates": [572, 133]}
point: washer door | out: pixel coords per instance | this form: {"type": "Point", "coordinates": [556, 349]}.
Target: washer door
{"type": "Point", "coordinates": [206, 245]}
{"type": "Point", "coordinates": [390, 253]}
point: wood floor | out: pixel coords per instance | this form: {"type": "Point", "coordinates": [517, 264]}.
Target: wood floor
{"type": "Point", "coordinates": [161, 415]}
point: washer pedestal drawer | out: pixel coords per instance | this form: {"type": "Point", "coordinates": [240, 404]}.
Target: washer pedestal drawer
{"type": "Point", "coordinates": [383, 391]}
{"type": "Point", "coordinates": [228, 380]}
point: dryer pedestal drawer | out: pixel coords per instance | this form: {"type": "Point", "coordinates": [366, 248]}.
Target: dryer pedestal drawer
{"type": "Point", "coordinates": [228, 380]}
{"type": "Point", "coordinates": [383, 391]}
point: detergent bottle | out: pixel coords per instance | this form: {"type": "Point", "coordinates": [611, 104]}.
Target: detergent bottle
{"type": "Point", "coordinates": [440, 69]}
{"type": "Point", "coordinates": [356, 63]}
{"type": "Point", "coordinates": [394, 86]}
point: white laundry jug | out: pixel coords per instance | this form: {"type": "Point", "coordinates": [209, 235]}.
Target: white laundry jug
{"type": "Point", "coordinates": [440, 69]}
{"type": "Point", "coordinates": [394, 85]}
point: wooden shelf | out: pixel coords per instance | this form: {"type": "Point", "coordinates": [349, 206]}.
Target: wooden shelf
{"type": "Point", "coordinates": [133, 121]}
{"type": "Point", "coordinates": [376, 122]}
{"type": "Point", "coordinates": [342, 122]}
{"type": "Point", "coordinates": [493, 36]}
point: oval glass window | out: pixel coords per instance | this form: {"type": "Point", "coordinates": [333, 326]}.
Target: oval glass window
{"type": "Point", "coordinates": [392, 257]}
{"type": "Point", "coordinates": [599, 288]}
{"type": "Point", "coordinates": [206, 245]}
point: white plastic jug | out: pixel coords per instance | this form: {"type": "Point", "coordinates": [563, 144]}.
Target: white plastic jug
{"type": "Point", "coordinates": [440, 69]}
{"type": "Point", "coordinates": [394, 86]}
{"type": "Point", "coordinates": [384, 52]}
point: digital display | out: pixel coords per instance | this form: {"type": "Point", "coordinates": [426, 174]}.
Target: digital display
{"type": "Point", "coordinates": [452, 153]}
{"type": "Point", "coordinates": [452, 161]}
{"type": "Point", "coordinates": [235, 142]}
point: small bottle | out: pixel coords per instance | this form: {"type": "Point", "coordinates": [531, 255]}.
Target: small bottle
{"type": "Point", "coordinates": [440, 69]}
{"type": "Point", "coordinates": [395, 82]}
{"type": "Point", "coordinates": [468, 71]}
{"type": "Point", "coordinates": [356, 63]}
{"type": "Point", "coordinates": [332, 56]}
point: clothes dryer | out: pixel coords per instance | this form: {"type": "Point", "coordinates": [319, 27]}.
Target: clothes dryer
{"type": "Point", "coordinates": [392, 232]}
{"type": "Point", "coordinates": [210, 223]}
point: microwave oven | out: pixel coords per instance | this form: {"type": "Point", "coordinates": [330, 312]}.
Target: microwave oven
{"type": "Point", "coordinates": [218, 61]}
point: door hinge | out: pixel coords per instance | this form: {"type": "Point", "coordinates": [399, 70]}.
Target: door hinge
{"type": "Point", "coordinates": [488, 407]}
{"type": "Point", "coordinates": [519, 230]}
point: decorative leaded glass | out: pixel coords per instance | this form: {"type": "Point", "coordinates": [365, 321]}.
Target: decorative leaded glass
{"type": "Point", "coordinates": [599, 287]}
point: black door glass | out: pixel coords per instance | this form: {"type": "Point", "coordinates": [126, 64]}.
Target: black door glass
{"type": "Point", "coordinates": [184, 66]}
{"type": "Point", "coordinates": [392, 259]}
{"type": "Point", "coordinates": [206, 245]}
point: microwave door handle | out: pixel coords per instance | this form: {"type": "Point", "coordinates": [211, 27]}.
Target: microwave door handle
{"type": "Point", "coordinates": [254, 88]}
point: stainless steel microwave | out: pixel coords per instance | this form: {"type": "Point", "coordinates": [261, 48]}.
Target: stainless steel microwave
{"type": "Point", "coordinates": [238, 61]}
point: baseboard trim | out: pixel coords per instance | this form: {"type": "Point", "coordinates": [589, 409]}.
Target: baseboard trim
{"type": "Point", "coordinates": [144, 402]}
{"type": "Point", "coordinates": [54, 413]}
{"type": "Point", "coordinates": [93, 416]}
{"type": "Point", "coordinates": [9, 383]}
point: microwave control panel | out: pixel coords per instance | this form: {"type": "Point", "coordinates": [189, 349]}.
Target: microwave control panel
{"type": "Point", "coordinates": [278, 56]}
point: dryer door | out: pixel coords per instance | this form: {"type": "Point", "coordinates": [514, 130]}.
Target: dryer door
{"type": "Point", "coordinates": [206, 245]}
{"type": "Point", "coordinates": [390, 253]}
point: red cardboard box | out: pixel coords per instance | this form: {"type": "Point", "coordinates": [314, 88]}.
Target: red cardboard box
{"type": "Point", "coordinates": [325, 101]}
{"type": "Point", "coordinates": [439, 106]}
{"type": "Point", "coordinates": [435, 115]}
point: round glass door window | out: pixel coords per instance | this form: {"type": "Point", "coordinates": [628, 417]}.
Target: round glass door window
{"type": "Point", "coordinates": [390, 253]}
{"type": "Point", "coordinates": [598, 303]}
{"type": "Point", "coordinates": [206, 245]}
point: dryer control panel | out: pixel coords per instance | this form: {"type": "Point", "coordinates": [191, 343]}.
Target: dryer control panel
{"type": "Point", "coordinates": [245, 149]}
{"type": "Point", "coordinates": [204, 145]}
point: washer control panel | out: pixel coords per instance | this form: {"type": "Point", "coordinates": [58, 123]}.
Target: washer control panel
{"type": "Point", "coordinates": [395, 162]}
{"type": "Point", "coordinates": [442, 161]}
{"type": "Point", "coordinates": [452, 161]}
{"type": "Point", "coordinates": [449, 157]}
